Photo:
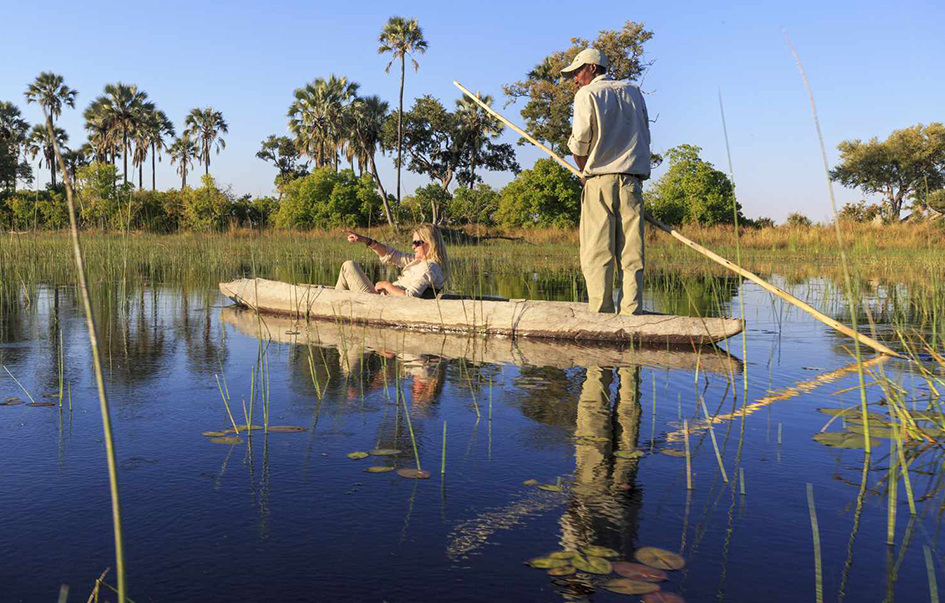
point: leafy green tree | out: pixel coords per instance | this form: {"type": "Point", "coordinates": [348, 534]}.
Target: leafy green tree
{"type": "Point", "coordinates": [183, 152]}
{"type": "Point", "coordinates": [100, 195]}
{"type": "Point", "coordinates": [256, 212]}
{"type": "Point", "coordinates": [692, 191]}
{"type": "Point", "coordinates": [206, 208]}
{"type": "Point", "coordinates": [797, 220]}
{"type": "Point", "coordinates": [13, 135]}
{"type": "Point", "coordinates": [545, 196]}
{"type": "Point", "coordinates": [548, 100]}
{"type": "Point", "coordinates": [907, 164]}
{"type": "Point", "coordinates": [401, 38]}
{"type": "Point", "coordinates": [205, 127]}
{"type": "Point", "coordinates": [474, 205]}
{"type": "Point", "coordinates": [860, 212]}
{"type": "Point", "coordinates": [282, 153]}
{"type": "Point", "coordinates": [325, 199]}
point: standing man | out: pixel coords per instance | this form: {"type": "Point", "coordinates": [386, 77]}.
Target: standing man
{"type": "Point", "coordinates": [610, 141]}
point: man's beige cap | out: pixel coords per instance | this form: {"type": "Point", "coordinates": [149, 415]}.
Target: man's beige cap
{"type": "Point", "coordinates": [588, 56]}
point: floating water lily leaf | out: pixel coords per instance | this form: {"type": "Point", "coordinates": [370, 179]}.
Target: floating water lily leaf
{"type": "Point", "coordinates": [844, 439]}
{"type": "Point", "coordinates": [876, 431]}
{"type": "Point", "coordinates": [673, 452]}
{"type": "Point", "coordinates": [214, 434]}
{"type": "Point", "coordinates": [242, 428]}
{"type": "Point", "coordinates": [626, 586]}
{"type": "Point", "coordinates": [51, 395]}
{"type": "Point", "coordinates": [547, 562]}
{"type": "Point", "coordinates": [13, 402]}
{"type": "Point", "coordinates": [40, 403]}
{"type": "Point", "coordinates": [638, 571]}
{"type": "Point", "coordinates": [565, 570]}
{"type": "Point", "coordinates": [379, 469]}
{"type": "Point", "coordinates": [662, 596]}
{"type": "Point", "coordinates": [413, 473]}
{"type": "Point", "coordinates": [11, 399]}
{"type": "Point", "coordinates": [628, 454]}
{"type": "Point", "coordinates": [592, 565]}
{"type": "Point", "coordinates": [286, 428]}
{"type": "Point", "coordinates": [226, 440]}
{"type": "Point", "coordinates": [563, 555]}
{"type": "Point", "coordinates": [530, 482]}
{"type": "Point", "coordinates": [550, 487]}
{"type": "Point", "coordinates": [357, 455]}
{"type": "Point", "coordinates": [917, 415]}
{"type": "Point", "coordinates": [385, 452]}
{"type": "Point", "coordinates": [851, 413]}
{"type": "Point", "coordinates": [599, 551]}
{"type": "Point", "coordinates": [659, 558]}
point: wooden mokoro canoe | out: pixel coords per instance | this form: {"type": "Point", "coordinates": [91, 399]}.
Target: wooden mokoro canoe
{"type": "Point", "coordinates": [510, 318]}
{"type": "Point", "coordinates": [358, 339]}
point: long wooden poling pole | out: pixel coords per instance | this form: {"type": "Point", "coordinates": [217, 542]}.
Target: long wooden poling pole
{"type": "Point", "coordinates": [879, 347]}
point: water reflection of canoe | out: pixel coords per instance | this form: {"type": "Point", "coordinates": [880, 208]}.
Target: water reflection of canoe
{"type": "Point", "coordinates": [513, 318]}
{"type": "Point", "coordinates": [493, 350]}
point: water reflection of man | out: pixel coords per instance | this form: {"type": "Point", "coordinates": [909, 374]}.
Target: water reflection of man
{"type": "Point", "coordinates": [605, 503]}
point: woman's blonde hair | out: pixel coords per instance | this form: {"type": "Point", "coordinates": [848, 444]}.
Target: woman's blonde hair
{"type": "Point", "coordinates": [429, 233]}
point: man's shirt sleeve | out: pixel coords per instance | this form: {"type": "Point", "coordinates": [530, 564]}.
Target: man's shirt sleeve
{"type": "Point", "coordinates": [582, 127]}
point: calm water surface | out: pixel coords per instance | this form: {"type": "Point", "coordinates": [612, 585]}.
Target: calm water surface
{"type": "Point", "coordinates": [288, 517]}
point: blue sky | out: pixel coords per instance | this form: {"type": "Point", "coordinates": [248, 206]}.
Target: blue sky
{"type": "Point", "coordinates": [874, 67]}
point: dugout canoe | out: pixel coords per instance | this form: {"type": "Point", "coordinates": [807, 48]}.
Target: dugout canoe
{"type": "Point", "coordinates": [359, 339]}
{"type": "Point", "coordinates": [516, 318]}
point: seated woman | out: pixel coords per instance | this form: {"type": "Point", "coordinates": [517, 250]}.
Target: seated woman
{"type": "Point", "coordinates": [424, 272]}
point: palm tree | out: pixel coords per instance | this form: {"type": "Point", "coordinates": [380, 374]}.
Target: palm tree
{"type": "Point", "coordinates": [477, 126]}
{"type": "Point", "coordinates": [318, 118]}
{"type": "Point", "coordinates": [13, 132]}
{"type": "Point", "coordinates": [39, 143]}
{"type": "Point", "coordinates": [120, 112]}
{"type": "Point", "coordinates": [401, 37]}
{"type": "Point", "coordinates": [49, 91]}
{"type": "Point", "coordinates": [369, 115]}
{"type": "Point", "coordinates": [183, 151]}
{"type": "Point", "coordinates": [205, 126]}
{"type": "Point", "coordinates": [101, 136]}
{"type": "Point", "coordinates": [150, 134]}
{"type": "Point", "coordinates": [80, 157]}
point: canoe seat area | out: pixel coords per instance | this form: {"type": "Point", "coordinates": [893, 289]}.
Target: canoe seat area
{"type": "Point", "coordinates": [431, 293]}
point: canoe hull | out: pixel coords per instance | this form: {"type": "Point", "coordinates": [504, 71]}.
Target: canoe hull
{"type": "Point", "coordinates": [513, 318]}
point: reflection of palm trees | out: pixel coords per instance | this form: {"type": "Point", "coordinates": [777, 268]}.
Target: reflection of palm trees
{"type": "Point", "coordinates": [606, 435]}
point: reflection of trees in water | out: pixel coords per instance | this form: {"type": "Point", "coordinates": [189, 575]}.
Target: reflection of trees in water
{"type": "Point", "coordinates": [702, 295]}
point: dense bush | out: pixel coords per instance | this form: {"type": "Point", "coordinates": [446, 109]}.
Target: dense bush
{"type": "Point", "coordinates": [692, 191]}
{"type": "Point", "coordinates": [797, 220]}
{"type": "Point", "coordinates": [474, 205]}
{"type": "Point", "coordinates": [546, 195]}
{"type": "Point", "coordinates": [25, 210]}
{"type": "Point", "coordinates": [326, 198]}
{"type": "Point", "coordinates": [860, 212]}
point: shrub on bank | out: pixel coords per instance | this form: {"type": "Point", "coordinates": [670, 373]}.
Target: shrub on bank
{"type": "Point", "coordinates": [545, 196]}
{"type": "Point", "coordinates": [325, 199]}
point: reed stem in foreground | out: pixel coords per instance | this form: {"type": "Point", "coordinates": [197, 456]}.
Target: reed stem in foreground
{"type": "Point", "coordinates": [443, 457]}
{"type": "Point", "coordinates": [818, 570]}
{"type": "Point", "coordinates": [715, 444]}
{"type": "Point", "coordinates": [930, 567]}
{"type": "Point", "coordinates": [96, 363]}
{"type": "Point", "coordinates": [688, 456]}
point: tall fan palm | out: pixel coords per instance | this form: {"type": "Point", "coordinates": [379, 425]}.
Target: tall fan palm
{"type": "Point", "coordinates": [183, 151]}
{"type": "Point", "coordinates": [101, 136]}
{"type": "Point", "coordinates": [74, 159]}
{"type": "Point", "coordinates": [120, 111]}
{"type": "Point", "coordinates": [49, 91]}
{"type": "Point", "coordinates": [13, 132]}
{"type": "Point", "coordinates": [205, 127]}
{"type": "Point", "coordinates": [149, 135]}
{"type": "Point", "coordinates": [369, 115]}
{"type": "Point", "coordinates": [477, 127]}
{"type": "Point", "coordinates": [317, 118]}
{"type": "Point", "coordinates": [39, 143]}
{"type": "Point", "coordinates": [401, 37]}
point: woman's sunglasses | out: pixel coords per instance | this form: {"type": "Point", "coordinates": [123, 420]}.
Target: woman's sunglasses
{"type": "Point", "coordinates": [417, 243]}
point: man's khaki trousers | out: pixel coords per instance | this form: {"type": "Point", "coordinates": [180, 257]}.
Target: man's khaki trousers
{"type": "Point", "coordinates": [612, 234]}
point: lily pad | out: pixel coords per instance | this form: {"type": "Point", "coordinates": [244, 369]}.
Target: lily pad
{"type": "Point", "coordinates": [410, 473]}
{"type": "Point", "coordinates": [626, 586]}
{"type": "Point", "coordinates": [51, 395]}
{"type": "Point", "coordinates": [242, 428]}
{"type": "Point", "coordinates": [593, 565]}
{"type": "Point", "coordinates": [662, 596]}
{"type": "Point", "coordinates": [286, 428]}
{"type": "Point", "coordinates": [40, 403]}
{"type": "Point", "coordinates": [550, 487]}
{"type": "Point", "coordinates": [659, 558]}
{"type": "Point", "coordinates": [628, 454]}
{"type": "Point", "coordinates": [13, 402]}
{"type": "Point", "coordinates": [226, 440]}
{"type": "Point", "coordinates": [214, 434]}
{"type": "Point", "coordinates": [530, 482]}
{"type": "Point", "coordinates": [565, 570]}
{"type": "Point", "coordinates": [385, 452]}
{"type": "Point", "coordinates": [638, 571]}
{"type": "Point", "coordinates": [844, 439]}
{"type": "Point", "coordinates": [563, 555]}
{"type": "Point", "coordinates": [599, 551]}
{"type": "Point", "coordinates": [357, 455]}
{"type": "Point", "coordinates": [876, 431]}
{"type": "Point", "coordinates": [379, 469]}
{"type": "Point", "coordinates": [673, 452]}
{"type": "Point", "coordinates": [547, 563]}
{"type": "Point", "coordinates": [852, 413]}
